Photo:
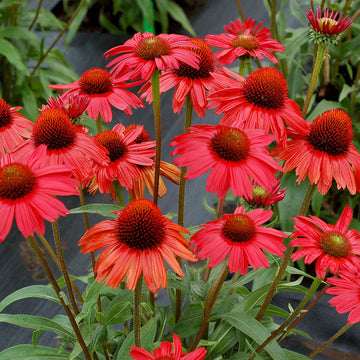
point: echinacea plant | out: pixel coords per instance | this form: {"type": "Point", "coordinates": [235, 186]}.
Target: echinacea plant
{"type": "Point", "coordinates": [284, 166]}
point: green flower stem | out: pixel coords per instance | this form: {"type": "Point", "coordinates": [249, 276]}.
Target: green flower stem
{"type": "Point", "coordinates": [99, 123]}
{"type": "Point", "coordinates": [35, 246]}
{"type": "Point", "coordinates": [355, 92]}
{"type": "Point", "coordinates": [244, 62]}
{"type": "Point", "coordinates": [36, 15]}
{"type": "Point", "coordinates": [334, 337]}
{"type": "Point", "coordinates": [59, 250]}
{"type": "Point", "coordinates": [187, 123]}
{"type": "Point", "coordinates": [118, 193]}
{"type": "Point", "coordinates": [303, 211]}
{"type": "Point", "coordinates": [308, 308]}
{"type": "Point", "coordinates": [241, 13]}
{"type": "Point", "coordinates": [210, 301]}
{"type": "Point", "coordinates": [57, 263]}
{"type": "Point", "coordinates": [43, 57]}
{"type": "Point", "coordinates": [137, 318]}
{"type": "Point", "coordinates": [316, 283]}
{"type": "Point", "coordinates": [318, 61]}
{"type": "Point", "coordinates": [86, 221]}
{"type": "Point", "coordinates": [181, 202]}
{"type": "Point", "coordinates": [155, 84]}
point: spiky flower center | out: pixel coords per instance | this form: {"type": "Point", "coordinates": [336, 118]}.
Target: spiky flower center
{"type": "Point", "coordinates": [113, 143]}
{"type": "Point", "coordinates": [331, 132]}
{"type": "Point", "coordinates": [245, 41]}
{"type": "Point", "coordinates": [142, 137]}
{"type": "Point", "coordinates": [230, 144]}
{"type": "Point", "coordinates": [335, 244]}
{"type": "Point", "coordinates": [327, 22]}
{"type": "Point", "coordinates": [54, 129]}
{"type": "Point", "coordinates": [16, 181]}
{"type": "Point", "coordinates": [152, 48]}
{"type": "Point", "coordinates": [96, 81]}
{"type": "Point", "coordinates": [206, 62]}
{"type": "Point", "coordinates": [5, 114]}
{"type": "Point", "coordinates": [141, 225]}
{"type": "Point", "coordinates": [238, 228]}
{"type": "Point", "coordinates": [259, 191]}
{"type": "Point", "coordinates": [266, 88]}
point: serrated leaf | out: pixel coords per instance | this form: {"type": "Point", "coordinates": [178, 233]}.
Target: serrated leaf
{"type": "Point", "coordinates": [101, 209]}
{"type": "Point", "coordinates": [33, 291]}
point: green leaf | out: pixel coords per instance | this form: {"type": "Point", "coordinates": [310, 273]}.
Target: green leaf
{"type": "Point", "coordinates": [101, 209]}
{"type": "Point", "coordinates": [316, 203]}
{"type": "Point", "coordinates": [107, 24]}
{"type": "Point", "coordinates": [345, 91]}
{"type": "Point", "coordinates": [225, 338]}
{"type": "Point", "coordinates": [33, 291]}
{"type": "Point", "coordinates": [147, 10]}
{"type": "Point", "coordinates": [30, 105]}
{"type": "Point", "coordinates": [289, 207]}
{"type": "Point", "coordinates": [177, 13]}
{"type": "Point", "coordinates": [162, 6]}
{"type": "Point", "coordinates": [30, 352]}
{"type": "Point", "coordinates": [323, 105]}
{"type": "Point", "coordinates": [35, 322]}
{"type": "Point", "coordinates": [190, 320]}
{"type": "Point", "coordinates": [12, 54]}
{"type": "Point", "coordinates": [118, 311]}
{"type": "Point", "coordinates": [256, 331]}
{"type": "Point", "coordinates": [147, 333]}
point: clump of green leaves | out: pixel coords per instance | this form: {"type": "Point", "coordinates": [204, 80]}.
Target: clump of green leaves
{"type": "Point", "coordinates": [25, 66]}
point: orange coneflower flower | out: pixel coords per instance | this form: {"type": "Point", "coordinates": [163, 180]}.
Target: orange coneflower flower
{"type": "Point", "coordinates": [334, 247]}
{"type": "Point", "coordinates": [188, 80]}
{"type": "Point", "coordinates": [241, 237]}
{"type": "Point", "coordinates": [137, 242]}
{"type": "Point", "coordinates": [235, 156]}
{"type": "Point", "coordinates": [14, 128]}
{"type": "Point", "coordinates": [324, 151]}
{"type": "Point", "coordinates": [65, 143]}
{"type": "Point", "coordinates": [103, 90]}
{"type": "Point", "coordinates": [243, 39]}
{"type": "Point", "coordinates": [26, 193]}
{"type": "Point", "coordinates": [260, 101]}
{"type": "Point", "coordinates": [125, 157]}
{"type": "Point", "coordinates": [168, 351]}
{"type": "Point", "coordinates": [346, 291]}
{"type": "Point", "coordinates": [145, 52]}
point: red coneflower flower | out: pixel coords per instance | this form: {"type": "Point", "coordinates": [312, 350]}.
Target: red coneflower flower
{"type": "Point", "coordinates": [327, 28]}
{"type": "Point", "coordinates": [334, 247]}
{"type": "Point", "coordinates": [235, 156]}
{"type": "Point", "coordinates": [103, 91]}
{"type": "Point", "coordinates": [168, 351]}
{"type": "Point", "coordinates": [147, 179]}
{"type": "Point", "coordinates": [241, 236]}
{"type": "Point", "coordinates": [65, 143]}
{"type": "Point", "coordinates": [137, 243]}
{"type": "Point", "coordinates": [263, 198]}
{"type": "Point", "coordinates": [26, 193]}
{"type": "Point", "coordinates": [261, 101]}
{"type": "Point", "coordinates": [189, 80]}
{"type": "Point", "coordinates": [146, 52]}
{"type": "Point", "coordinates": [244, 40]}
{"type": "Point", "coordinates": [125, 157]}
{"type": "Point", "coordinates": [324, 151]}
{"type": "Point", "coordinates": [73, 106]}
{"type": "Point", "coordinates": [347, 293]}
{"type": "Point", "coordinates": [14, 128]}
